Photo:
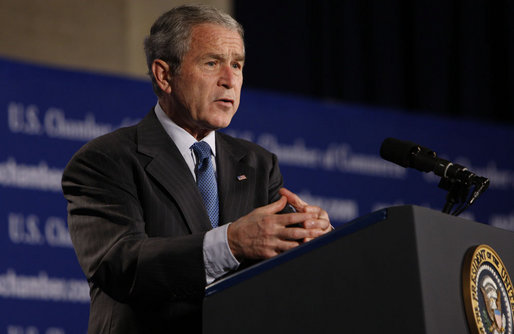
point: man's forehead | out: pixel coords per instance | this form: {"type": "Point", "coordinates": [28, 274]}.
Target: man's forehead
{"type": "Point", "coordinates": [214, 34]}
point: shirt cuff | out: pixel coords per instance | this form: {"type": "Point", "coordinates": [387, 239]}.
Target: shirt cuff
{"type": "Point", "coordinates": [217, 257]}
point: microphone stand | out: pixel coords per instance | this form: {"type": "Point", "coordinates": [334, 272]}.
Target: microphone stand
{"type": "Point", "coordinates": [458, 192]}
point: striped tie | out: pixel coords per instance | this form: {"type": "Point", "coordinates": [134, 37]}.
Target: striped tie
{"type": "Point", "coordinates": [206, 180]}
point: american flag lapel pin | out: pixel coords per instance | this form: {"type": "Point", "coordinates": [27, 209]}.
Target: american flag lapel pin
{"type": "Point", "coordinates": [241, 177]}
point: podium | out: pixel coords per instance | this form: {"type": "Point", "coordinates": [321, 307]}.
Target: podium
{"type": "Point", "coordinates": [397, 270]}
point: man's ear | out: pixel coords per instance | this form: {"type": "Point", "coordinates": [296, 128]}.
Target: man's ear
{"type": "Point", "coordinates": [162, 75]}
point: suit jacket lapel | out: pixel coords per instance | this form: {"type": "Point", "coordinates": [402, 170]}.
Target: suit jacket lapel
{"type": "Point", "coordinates": [168, 167]}
{"type": "Point", "coordinates": [236, 180]}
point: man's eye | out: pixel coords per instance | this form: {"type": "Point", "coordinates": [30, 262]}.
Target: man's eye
{"type": "Point", "coordinates": [211, 63]}
{"type": "Point", "coordinates": [236, 65]}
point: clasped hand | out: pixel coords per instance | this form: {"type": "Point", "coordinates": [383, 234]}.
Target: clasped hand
{"type": "Point", "coordinates": [264, 233]}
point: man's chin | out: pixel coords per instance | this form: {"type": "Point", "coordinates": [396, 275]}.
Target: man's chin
{"type": "Point", "coordinates": [219, 123]}
{"type": "Point", "coordinates": [219, 126]}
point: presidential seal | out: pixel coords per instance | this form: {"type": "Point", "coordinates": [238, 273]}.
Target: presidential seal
{"type": "Point", "coordinates": [488, 292]}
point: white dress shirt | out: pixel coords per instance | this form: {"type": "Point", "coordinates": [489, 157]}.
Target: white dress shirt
{"type": "Point", "coordinates": [217, 257]}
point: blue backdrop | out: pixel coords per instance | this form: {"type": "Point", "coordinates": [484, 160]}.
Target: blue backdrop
{"type": "Point", "coordinates": [328, 153]}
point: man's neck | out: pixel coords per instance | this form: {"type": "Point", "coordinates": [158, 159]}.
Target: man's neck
{"type": "Point", "coordinates": [183, 120]}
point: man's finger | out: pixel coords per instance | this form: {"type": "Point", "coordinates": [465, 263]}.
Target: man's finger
{"type": "Point", "coordinates": [324, 215]}
{"type": "Point", "coordinates": [293, 218]}
{"type": "Point", "coordinates": [312, 209]}
{"type": "Point", "coordinates": [298, 233]}
{"type": "Point", "coordinates": [319, 223]}
{"type": "Point", "coordinates": [274, 207]}
{"type": "Point", "coordinates": [293, 199]}
{"type": "Point", "coordinates": [284, 245]}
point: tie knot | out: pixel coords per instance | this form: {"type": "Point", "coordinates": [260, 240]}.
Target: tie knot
{"type": "Point", "coordinates": [202, 150]}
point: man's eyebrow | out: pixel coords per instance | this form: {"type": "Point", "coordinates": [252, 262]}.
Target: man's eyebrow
{"type": "Point", "coordinates": [239, 57]}
{"type": "Point", "coordinates": [217, 56]}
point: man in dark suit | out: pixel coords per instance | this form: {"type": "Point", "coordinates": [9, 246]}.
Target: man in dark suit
{"type": "Point", "coordinates": [153, 217]}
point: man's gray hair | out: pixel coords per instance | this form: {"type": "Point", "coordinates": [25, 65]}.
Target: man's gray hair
{"type": "Point", "coordinates": [170, 35]}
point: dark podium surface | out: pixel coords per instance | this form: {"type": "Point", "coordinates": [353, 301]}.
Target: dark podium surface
{"type": "Point", "coordinates": [397, 270]}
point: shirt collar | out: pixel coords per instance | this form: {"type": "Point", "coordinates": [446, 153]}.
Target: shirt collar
{"type": "Point", "coordinates": [182, 139]}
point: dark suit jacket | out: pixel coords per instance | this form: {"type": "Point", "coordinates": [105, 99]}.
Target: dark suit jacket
{"type": "Point", "coordinates": [137, 223]}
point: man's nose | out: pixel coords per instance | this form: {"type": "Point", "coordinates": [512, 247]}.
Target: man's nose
{"type": "Point", "coordinates": [227, 77]}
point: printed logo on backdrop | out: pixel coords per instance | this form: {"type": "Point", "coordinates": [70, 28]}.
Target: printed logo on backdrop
{"type": "Point", "coordinates": [53, 122]}
{"type": "Point", "coordinates": [29, 119]}
{"type": "Point", "coordinates": [28, 329]}
{"type": "Point", "coordinates": [339, 209]}
{"type": "Point", "coordinates": [505, 221]}
{"type": "Point", "coordinates": [488, 292]}
{"type": "Point", "coordinates": [334, 157]}
{"type": "Point", "coordinates": [343, 158]}
{"type": "Point", "coordinates": [29, 229]}
{"type": "Point", "coordinates": [42, 287]}
{"type": "Point", "coordinates": [26, 176]}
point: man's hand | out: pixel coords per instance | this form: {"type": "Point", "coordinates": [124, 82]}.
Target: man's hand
{"type": "Point", "coordinates": [264, 233]}
{"type": "Point", "coordinates": [322, 221]}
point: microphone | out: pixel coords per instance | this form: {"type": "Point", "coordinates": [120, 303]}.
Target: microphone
{"type": "Point", "coordinates": [455, 178]}
{"type": "Point", "coordinates": [410, 155]}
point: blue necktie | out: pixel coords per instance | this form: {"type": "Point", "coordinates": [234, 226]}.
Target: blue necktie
{"type": "Point", "coordinates": [206, 180]}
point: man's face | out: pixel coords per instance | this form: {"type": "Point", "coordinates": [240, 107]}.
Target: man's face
{"type": "Point", "coordinates": [206, 90]}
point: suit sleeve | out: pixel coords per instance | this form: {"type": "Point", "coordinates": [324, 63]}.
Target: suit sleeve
{"type": "Point", "coordinates": [107, 228]}
{"type": "Point", "coordinates": [275, 180]}
{"type": "Point", "coordinates": [275, 183]}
